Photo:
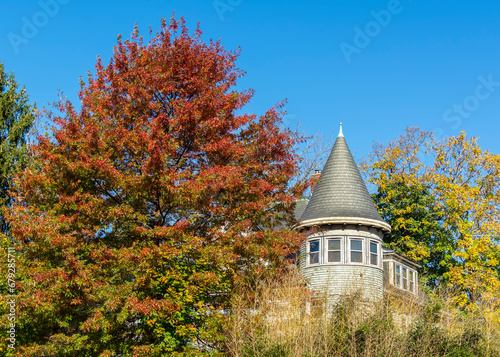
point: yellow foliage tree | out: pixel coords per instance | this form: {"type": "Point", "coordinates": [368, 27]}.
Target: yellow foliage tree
{"type": "Point", "coordinates": [443, 200]}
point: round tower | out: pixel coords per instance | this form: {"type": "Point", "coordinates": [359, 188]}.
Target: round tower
{"type": "Point", "coordinates": [343, 251]}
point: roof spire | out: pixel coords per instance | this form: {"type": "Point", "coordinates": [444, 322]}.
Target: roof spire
{"type": "Point", "coordinates": [341, 195]}
{"type": "Point", "coordinates": [340, 132]}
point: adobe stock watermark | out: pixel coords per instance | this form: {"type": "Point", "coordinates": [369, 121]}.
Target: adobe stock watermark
{"type": "Point", "coordinates": [32, 24]}
{"type": "Point", "coordinates": [363, 36]}
{"type": "Point", "coordinates": [11, 298]}
{"type": "Point", "coordinates": [223, 6]}
{"type": "Point", "coordinates": [471, 103]}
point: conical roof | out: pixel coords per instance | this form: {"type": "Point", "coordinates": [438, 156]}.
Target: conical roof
{"type": "Point", "coordinates": [341, 195]}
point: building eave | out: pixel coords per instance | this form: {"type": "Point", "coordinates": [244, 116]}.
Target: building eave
{"type": "Point", "coordinates": [367, 222]}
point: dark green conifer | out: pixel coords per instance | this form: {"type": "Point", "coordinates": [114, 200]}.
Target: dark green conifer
{"type": "Point", "coordinates": [16, 119]}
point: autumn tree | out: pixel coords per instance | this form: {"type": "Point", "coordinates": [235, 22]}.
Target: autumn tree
{"type": "Point", "coordinates": [405, 200]}
{"type": "Point", "coordinates": [16, 119]}
{"type": "Point", "coordinates": [442, 200]}
{"type": "Point", "coordinates": [146, 207]}
{"type": "Point", "coordinates": [417, 229]}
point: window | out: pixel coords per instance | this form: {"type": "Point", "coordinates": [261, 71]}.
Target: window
{"type": "Point", "coordinates": [314, 251]}
{"type": "Point", "coordinates": [334, 250]}
{"type": "Point", "coordinates": [405, 278]}
{"type": "Point", "coordinates": [356, 251]}
{"type": "Point", "coordinates": [397, 275]}
{"type": "Point", "coordinates": [373, 253]}
{"type": "Point", "coordinates": [412, 281]}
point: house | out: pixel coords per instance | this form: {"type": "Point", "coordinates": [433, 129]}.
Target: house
{"type": "Point", "coordinates": [343, 251]}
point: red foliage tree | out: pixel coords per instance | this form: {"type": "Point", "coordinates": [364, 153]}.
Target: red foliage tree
{"type": "Point", "coordinates": [148, 205]}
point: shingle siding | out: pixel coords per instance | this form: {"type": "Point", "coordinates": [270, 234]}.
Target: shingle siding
{"type": "Point", "coordinates": [345, 279]}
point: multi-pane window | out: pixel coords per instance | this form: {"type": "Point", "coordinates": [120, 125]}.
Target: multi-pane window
{"type": "Point", "coordinates": [397, 275]}
{"type": "Point", "coordinates": [314, 251]}
{"type": "Point", "coordinates": [356, 251]}
{"type": "Point", "coordinates": [334, 250]}
{"type": "Point", "coordinates": [405, 278]}
{"type": "Point", "coordinates": [373, 253]}
{"type": "Point", "coordinates": [412, 281]}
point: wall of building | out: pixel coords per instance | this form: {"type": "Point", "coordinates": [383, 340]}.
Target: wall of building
{"type": "Point", "coordinates": [343, 278]}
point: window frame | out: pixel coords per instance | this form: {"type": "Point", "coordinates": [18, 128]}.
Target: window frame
{"type": "Point", "coordinates": [411, 280]}
{"type": "Point", "coordinates": [405, 277]}
{"type": "Point", "coordinates": [362, 251]}
{"type": "Point", "coordinates": [397, 282]}
{"type": "Point", "coordinates": [340, 250]}
{"type": "Point", "coordinates": [318, 240]}
{"type": "Point", "coordinates": [377, 254]}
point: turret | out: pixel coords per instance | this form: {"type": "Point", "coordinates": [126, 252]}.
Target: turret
{"type": "Point", "coordinates": [343, 251]}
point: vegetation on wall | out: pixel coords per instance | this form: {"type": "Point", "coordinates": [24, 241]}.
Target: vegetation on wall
{"type": "Point", "coordinates": [271, 321]}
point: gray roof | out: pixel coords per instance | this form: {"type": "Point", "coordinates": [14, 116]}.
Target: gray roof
{"type": "Point", "coordinates": [341, 191]}
{"type": "Point", "coordinates": [300, 206]}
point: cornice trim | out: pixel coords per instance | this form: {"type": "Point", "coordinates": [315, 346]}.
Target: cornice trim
{"type": "Point", "coordinates": [367, 222]}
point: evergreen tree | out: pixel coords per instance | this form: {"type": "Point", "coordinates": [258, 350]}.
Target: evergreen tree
{"type": "Point", "coordinates": [16, 119]}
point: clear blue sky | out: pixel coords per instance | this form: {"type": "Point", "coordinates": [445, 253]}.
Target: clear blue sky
{"type": "Point", "coordinates": [377, 66]}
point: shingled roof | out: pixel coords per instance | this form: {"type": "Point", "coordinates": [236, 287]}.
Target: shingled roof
{"type": "Point", "coordinates": [341, 195]}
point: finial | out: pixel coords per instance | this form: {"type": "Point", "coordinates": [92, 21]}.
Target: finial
{"type": "Point", "coordinates": [340, 132]}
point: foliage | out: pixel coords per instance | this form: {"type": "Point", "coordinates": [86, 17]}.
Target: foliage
{"type": "Point", "coordinates": [417, 230]}
{"type": "Point", "coordinates": [16, 119]}
{"type": "Point", "coordinates": [273, 320]}
{"type": "Point", "coordinates": [146, 208]}
{"type": "Point", "coordinates": [442, 199]}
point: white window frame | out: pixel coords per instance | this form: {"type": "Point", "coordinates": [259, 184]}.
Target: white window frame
{"type": "Point", "coordinates": [396, 275]}
{"type": "Point", "coordinates": [411, 280]}
{"type": "Point", "coordinates": [362, 251]}
{"type": "Point", "coordinates": [405, 284]}
{"type": "Point", "coordinates": [309, 251]}
{"type": "Point", "coordinates": [377, 254]}
{"type": "Point", "coordinates": [340, 250]}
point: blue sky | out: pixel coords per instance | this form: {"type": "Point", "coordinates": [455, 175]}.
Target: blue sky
{"type": "Point", "coordinates": [377, 66]}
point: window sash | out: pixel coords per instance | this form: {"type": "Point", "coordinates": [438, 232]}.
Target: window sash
{"type": "Point", "coordinates": [397, 275]}
{"type": "Point", "coordinates": [373, 253]}
{"type": "Point", "coordinates": [356, 255]}
{"type": "Point", "coordinates": [314, 249]}
{"type": "Point", "coordinates": [334, 250]}
{"type": "Point", "coordinates": [405, 278]}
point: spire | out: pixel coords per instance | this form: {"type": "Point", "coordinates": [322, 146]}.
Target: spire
{"type": "Point", "coordinates": [341, 195]}
{"type": "Point", "coordinates": [340, 131]}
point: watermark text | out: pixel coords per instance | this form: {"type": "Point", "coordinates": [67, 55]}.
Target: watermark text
{"type": "Point", "coordinates": [32, 24]}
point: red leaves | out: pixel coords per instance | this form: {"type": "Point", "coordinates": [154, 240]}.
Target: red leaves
{"type": "Point", "coordinates": [152, 199]}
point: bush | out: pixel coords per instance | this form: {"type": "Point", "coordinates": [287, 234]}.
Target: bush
{"type": "Point", "coordinates": [283, 318]}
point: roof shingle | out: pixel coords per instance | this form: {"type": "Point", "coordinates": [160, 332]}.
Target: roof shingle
{"type": "Point", "coordinates": [341, 191]}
